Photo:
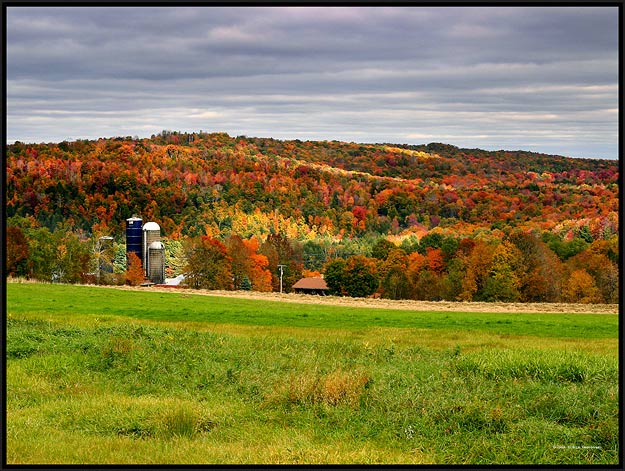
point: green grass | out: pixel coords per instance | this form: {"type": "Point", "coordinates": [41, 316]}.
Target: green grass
{"type": "Point", "coordinates": [175, 307]}
{"type": "Point", "coordinates": [97, 376]}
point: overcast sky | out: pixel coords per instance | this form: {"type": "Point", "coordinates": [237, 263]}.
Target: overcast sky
{"type": "Point", "coordinates": [533, 78]}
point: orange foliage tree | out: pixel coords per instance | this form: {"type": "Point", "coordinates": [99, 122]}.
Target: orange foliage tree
{"type": "Point", "coordinates": [259, 274]}
{"type": "Point", "coordinates": [477, 268]}
{"type": "Point", "coordinates": [134, 273]}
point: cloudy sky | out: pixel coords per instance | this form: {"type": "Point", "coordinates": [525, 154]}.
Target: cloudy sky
{"type": "Point", "coordinates": [532, 78]}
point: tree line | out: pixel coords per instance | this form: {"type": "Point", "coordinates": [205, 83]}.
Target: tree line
{"type": "Point", "coordinates": [520, 266]}
{"type": "Point", "coordinates": [523, 267]}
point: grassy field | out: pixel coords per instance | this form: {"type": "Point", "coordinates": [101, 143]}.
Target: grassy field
{"type": "Point", "coordinates": [98, 375]}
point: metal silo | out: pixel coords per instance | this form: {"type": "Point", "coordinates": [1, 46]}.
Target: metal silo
{"type": "Point", "coordinates": [105, 254]}
{"type": "Point", "coordinates": [151, 233]}
{"type": "Point", "coordinates": [134, 236]}
{"type": "Point", "coordinates": [156, 262]}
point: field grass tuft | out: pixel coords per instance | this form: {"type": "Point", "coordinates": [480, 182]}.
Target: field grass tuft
{"type": "Point", "coordinates": [310, 388]}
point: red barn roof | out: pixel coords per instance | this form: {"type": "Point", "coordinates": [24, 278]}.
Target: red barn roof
{"type": "Point", "coordinates": [311, 283]}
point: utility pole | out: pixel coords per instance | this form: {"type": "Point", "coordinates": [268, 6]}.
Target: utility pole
{"type": "Point", "coordinates": [281, 267]}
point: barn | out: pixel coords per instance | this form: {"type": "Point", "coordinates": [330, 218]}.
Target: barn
{"type": "Point", "coordinates": [311, 286]}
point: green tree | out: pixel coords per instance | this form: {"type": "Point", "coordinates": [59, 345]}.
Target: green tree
{"type": "Point", "coordinates": [429, 286]}
{"type": "Point", "coordinates": [434, 240]}
{"type": "Point", "coordinates": [449, 247]}
{"type": "Point", "coordinates": [410, 244]}
{"type": "Point", "coordinates": [333, 276]}
{"type": "Point", "coordinates": [453, 280]}
{"type": "Point", "coordinates": [42, 254]}
{"type": "Point", "coordinates": [381, 248]}
{"type": "Point", "coordinates": [315, 254]}
{"type": "Point", "coordinates": [175, 257]}
{"type": "Point", "coordinates": [60, 256]}
{"type": "Point", "coordinates": [564, 249]}
{"type": "Point", "coordinates": [120, 260]}
{"type": "Point", "coordinates": [585, 234]}
{"type": "Point", "coordinates": [360, 278]}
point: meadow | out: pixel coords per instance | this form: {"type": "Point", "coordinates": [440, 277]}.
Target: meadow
{"type": "Point", "coordinates": [99, 375]}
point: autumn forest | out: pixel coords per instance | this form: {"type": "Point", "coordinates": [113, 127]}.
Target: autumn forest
{"type": "Point", "coordinates": [430, 222]}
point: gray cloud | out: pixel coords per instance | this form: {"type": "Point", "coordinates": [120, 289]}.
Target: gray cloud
{"type": "Point", "coordinates": [534, 78]}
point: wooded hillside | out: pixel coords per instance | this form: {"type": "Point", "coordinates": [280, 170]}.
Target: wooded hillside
{"type": "Point", "coordinates": [191, 183]}
{"type": "Point", "coordinates": [336, 199]}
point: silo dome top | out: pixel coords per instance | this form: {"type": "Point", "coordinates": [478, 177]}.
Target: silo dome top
{"type": "Point", "coordinates": [151, 226]}
{"type": "Point", "coordinates": [156, 246]}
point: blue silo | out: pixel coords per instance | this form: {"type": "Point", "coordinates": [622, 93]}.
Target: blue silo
{"type": "Point", "coordinates": [134, 236]}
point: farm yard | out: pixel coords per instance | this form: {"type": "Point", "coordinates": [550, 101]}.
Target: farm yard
{"type": "Point", "coordinates": [129, 376]}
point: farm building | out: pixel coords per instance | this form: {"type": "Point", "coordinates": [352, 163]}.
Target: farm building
{"type": "Point", "coordinates": [144, 240]}
{"type": "Point", "coordinates": [311, 286]}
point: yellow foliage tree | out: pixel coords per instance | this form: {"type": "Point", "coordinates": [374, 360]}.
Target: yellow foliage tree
{"type": "Point", "coordinates": [581, 288]}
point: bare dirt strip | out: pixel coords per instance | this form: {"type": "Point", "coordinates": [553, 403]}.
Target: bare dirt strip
{"type": "Point", "coordinates": [408, 305]}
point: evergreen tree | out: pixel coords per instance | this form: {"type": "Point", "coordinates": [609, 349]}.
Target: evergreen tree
{"type": "Point", "coordinates": [246, 284]}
